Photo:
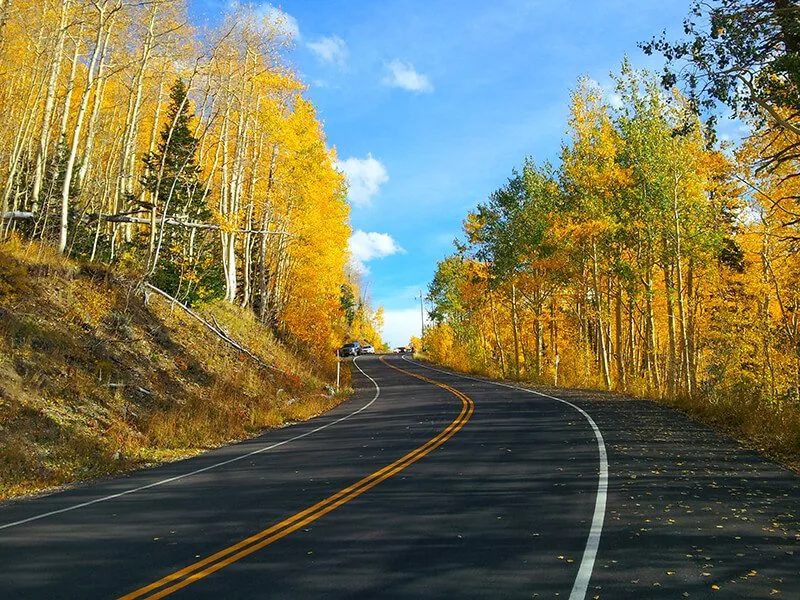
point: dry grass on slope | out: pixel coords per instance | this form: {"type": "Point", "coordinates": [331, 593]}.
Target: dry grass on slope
{"type": "Point", "coordinates": [93, 382]}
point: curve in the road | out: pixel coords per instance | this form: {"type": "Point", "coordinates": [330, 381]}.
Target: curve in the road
{"type": "Point", "coordinates": [581, 584]}
{"type": "Point", "coordinates": [223, 463]}
{"type": "Point", "coordinates": [200, 569]}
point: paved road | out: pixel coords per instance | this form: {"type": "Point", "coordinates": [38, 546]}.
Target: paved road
{"type": "Point", "coordinates": [414, 490]}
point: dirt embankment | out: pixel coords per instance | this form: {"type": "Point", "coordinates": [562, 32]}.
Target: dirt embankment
{"type": "Point", "coordinates": [96, 379]}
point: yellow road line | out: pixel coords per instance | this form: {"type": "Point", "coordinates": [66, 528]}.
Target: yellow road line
{"type": "Point", "coordinates": [200, 569]}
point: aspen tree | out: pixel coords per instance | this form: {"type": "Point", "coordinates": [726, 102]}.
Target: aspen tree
{"type": "Point", "coordinates": [154, 13]}
{"type": "Point", "coordinates": [593, 178]}
{"type": "Point", "coordinates": [30, 87]}
{"type": "Point", "coordinates": [89, 97]}
{"type": "Point", "coordinates": [44, 136]}
{"type": "Point", "coordinates": [70, 86]}
{"type": "Point", "coordinates": [106, 13]}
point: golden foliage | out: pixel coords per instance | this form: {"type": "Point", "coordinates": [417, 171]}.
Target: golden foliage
{"type": "Point", "coordinates": [262, 157]}
{"type": "Point", "coordinates": [664, 269]}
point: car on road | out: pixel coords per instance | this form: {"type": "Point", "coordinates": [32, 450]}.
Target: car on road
{"type": "Point", "coordinates": [368, 349]}
{"type": "Point", "coordinates": [351, 349]}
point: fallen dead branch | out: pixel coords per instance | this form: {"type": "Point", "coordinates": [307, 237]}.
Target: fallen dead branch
{"type": "Point", "coordinates": [213, 327]}
{"type": "Point", "coordinates": [127, 218]}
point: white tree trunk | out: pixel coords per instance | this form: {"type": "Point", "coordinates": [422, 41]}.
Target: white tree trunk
{"type": "Point", "coordinates": [91, 128]}
{"type": "Point", "coordinates": [62, 130]}
{"type": "Point", "coordinates": [26, 116]}
{"type": "Point", "coordinates": [130, 135]}
{"type": "Point", "coordinates": [151, 146]}
{"type": "Point", "coordinates": [52, 86]}
{"type": "Point", "coordinates": [97, 53]}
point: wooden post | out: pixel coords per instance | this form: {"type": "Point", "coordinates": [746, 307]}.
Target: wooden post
{"type": "Point", "coordinates": [555, 371]}
{"type": "Point", "coordinates": [338, 370]}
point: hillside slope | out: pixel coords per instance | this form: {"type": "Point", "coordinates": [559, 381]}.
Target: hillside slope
{"type": "Point", "coordinates": [97, 379]}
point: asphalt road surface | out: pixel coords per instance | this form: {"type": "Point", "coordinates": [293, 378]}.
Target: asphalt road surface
{"type": "Point", "coordinates": [428, 485]}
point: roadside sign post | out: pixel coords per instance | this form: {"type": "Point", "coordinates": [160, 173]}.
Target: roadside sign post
{"type": "Point", "coordinates": [338, 370]}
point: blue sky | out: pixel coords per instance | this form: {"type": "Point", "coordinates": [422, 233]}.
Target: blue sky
{"type": "Point", "coordinates": [431, 103]}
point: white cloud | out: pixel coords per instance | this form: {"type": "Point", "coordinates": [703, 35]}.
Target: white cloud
{"type": "Point", "coordinates": [278, 18]}
{"type": "Point", "coordinates": [366, 246]}
{"type": "Point", "coordinates": [612, 98]}
{"type": "Point", "coordinates": [403, 75]}
{"type": "Point", "coordinates": [399, 325]}
{"type": "Point", "coordinates": [615, 101]}
{"type": "Point", "coordinates": [331, 49]}
{"type": "Point", "coordinates": [358, 267]}
{"type": "Point", "coordinates": [593, 84]}
{"type": "Point", "coordinates": [364, 178]}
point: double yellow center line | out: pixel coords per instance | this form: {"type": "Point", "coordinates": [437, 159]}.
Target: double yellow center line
{"type": "Point", "coordinates": [205, 567]}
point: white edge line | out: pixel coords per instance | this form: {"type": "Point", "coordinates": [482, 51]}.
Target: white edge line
{"type": "Point", "coordinates": [204, 469]}
{"type": "Point", "coordinates": [581, 584]}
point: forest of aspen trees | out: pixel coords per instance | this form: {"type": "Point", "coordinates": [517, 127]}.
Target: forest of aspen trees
{"type": "Point", "coordinates": [654, 260]}
{"type": "Point", "coordinates": [187, 158]}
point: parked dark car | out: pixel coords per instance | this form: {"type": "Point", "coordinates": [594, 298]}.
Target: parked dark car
{"type": "Point", "coordinates": [351, 349]}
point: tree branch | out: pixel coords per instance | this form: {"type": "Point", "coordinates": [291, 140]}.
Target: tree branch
{"type": "Point", "coordinates": [214, 328]}
{"type": "Point", "coordinates": [127, 218]}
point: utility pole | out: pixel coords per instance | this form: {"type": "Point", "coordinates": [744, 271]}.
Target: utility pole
{"type": "Point", "coordinates": [421, 319]}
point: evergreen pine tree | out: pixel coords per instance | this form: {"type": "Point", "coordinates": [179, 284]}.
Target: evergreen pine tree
{"type": "Point", "coordinates": [184, 264]}
{"type": "Point", "coordinates": [172, 174]}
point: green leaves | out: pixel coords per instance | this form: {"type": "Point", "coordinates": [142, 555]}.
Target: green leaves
{"type": "Point", "coordinates": [744, 54]}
